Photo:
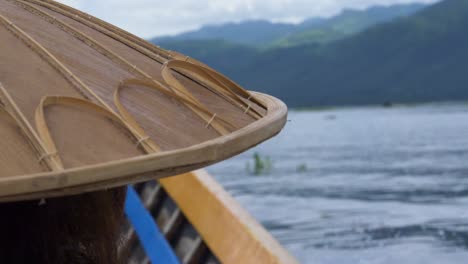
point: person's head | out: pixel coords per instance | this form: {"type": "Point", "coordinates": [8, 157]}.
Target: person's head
{"type": "Point", "coordinates": [84, 229]}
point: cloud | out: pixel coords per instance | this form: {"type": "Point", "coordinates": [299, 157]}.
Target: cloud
{"type": "Point", "coordinates": [148, 18]}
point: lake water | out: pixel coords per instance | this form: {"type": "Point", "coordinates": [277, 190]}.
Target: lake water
{"type": "Point", "coordinates": [363, 185]}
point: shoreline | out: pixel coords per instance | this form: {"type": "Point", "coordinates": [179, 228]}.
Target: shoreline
{"type": "Point", "coordinates": [378, 106]}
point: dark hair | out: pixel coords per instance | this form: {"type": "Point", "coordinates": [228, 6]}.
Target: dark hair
{"type": "Point", "coordinates": [81, 229]}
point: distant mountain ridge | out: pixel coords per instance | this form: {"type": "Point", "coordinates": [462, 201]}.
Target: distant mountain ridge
{"type": "Point", "coordinates": [258, 32]}
{"type": "Point", "coordinates": [347, 23]}
{"type": "Point", "coordinates": [313, 30]}
{"type": "Point", "coordinates": [420, 58]}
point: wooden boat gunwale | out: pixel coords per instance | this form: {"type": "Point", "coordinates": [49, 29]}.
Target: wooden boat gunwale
{"type": "Point", "coordinates": [121, 172]}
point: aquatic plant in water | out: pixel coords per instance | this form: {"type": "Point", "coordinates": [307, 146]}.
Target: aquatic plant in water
{"type": "Point", "coordinates": [302, 168]}
{"type": "Point", "coordinates": [261, 165]}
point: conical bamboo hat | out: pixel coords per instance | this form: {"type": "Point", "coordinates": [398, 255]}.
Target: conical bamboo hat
{"type": "Point", "coordinates": [85, 106]}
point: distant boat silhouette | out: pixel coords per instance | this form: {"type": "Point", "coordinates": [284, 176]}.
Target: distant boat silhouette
{"type": "Point", "coordinates": [387, 104]}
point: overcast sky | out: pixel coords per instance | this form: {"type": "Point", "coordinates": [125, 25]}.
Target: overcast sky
{"type": "Point", "coordinates": [149, 18]}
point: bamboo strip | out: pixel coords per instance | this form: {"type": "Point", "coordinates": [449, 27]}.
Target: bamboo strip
{"type": "Point", "coordinates": [132, 121]}
{"type": "Point", "coordinates": [74, 80]}
{"type": "Point", "coordinates": [61, 8]}
{"type": "Point", "coordinates": [88, 21]}
{"type": "Point", "coordinates": [50, 159]}
{"type": "Point", "coordinates": [142, 46]}
{"type": "Point", "coordinates": [43, 129]}
{"type": "Point", "coordinates": [181, 90]}
{"type": "Point", "coordinates": [87, 40]}
{"type": "Point", "coordinates": [217, 81]}
{"type": "Point", "coordinates": [82, 88]}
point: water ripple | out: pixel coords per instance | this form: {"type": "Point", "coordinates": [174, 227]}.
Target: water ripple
{"type": "Point", "coordinates": [372, 186]}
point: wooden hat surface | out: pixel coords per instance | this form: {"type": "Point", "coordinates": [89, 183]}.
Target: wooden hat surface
{"type": "Point", "coordinates": [85, 106]}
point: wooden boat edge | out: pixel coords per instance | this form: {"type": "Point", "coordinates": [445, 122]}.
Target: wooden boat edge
{"type": "Point", "coordinates": [211, 209]}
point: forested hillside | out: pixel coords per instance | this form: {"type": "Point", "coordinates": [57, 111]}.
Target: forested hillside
{"type": "Point", "coordinates": [264, 34]}
{"type": "Point", "coordinates": [415, 59]}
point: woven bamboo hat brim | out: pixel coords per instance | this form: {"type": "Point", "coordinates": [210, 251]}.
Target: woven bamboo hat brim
{"type": "Point", "coordinates": [86, 106]}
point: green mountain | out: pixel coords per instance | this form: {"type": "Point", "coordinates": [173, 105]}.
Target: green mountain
{"type": "Point", "coordinates": [422, 58]}
{"type": "Point", "coordinates": [347, 23]}
{"type": "Point", "coordinates": [417, 59]}
{"type": "Point", "coordinates": [224, 55]}
{"type": "Point", "coordinates": [255, 33]}
{"type": "Point", "coordinates": [315, 30]}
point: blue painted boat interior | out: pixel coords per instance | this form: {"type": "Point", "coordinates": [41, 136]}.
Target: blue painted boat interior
{"type": "Point", "coordinates": [155, 245]}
